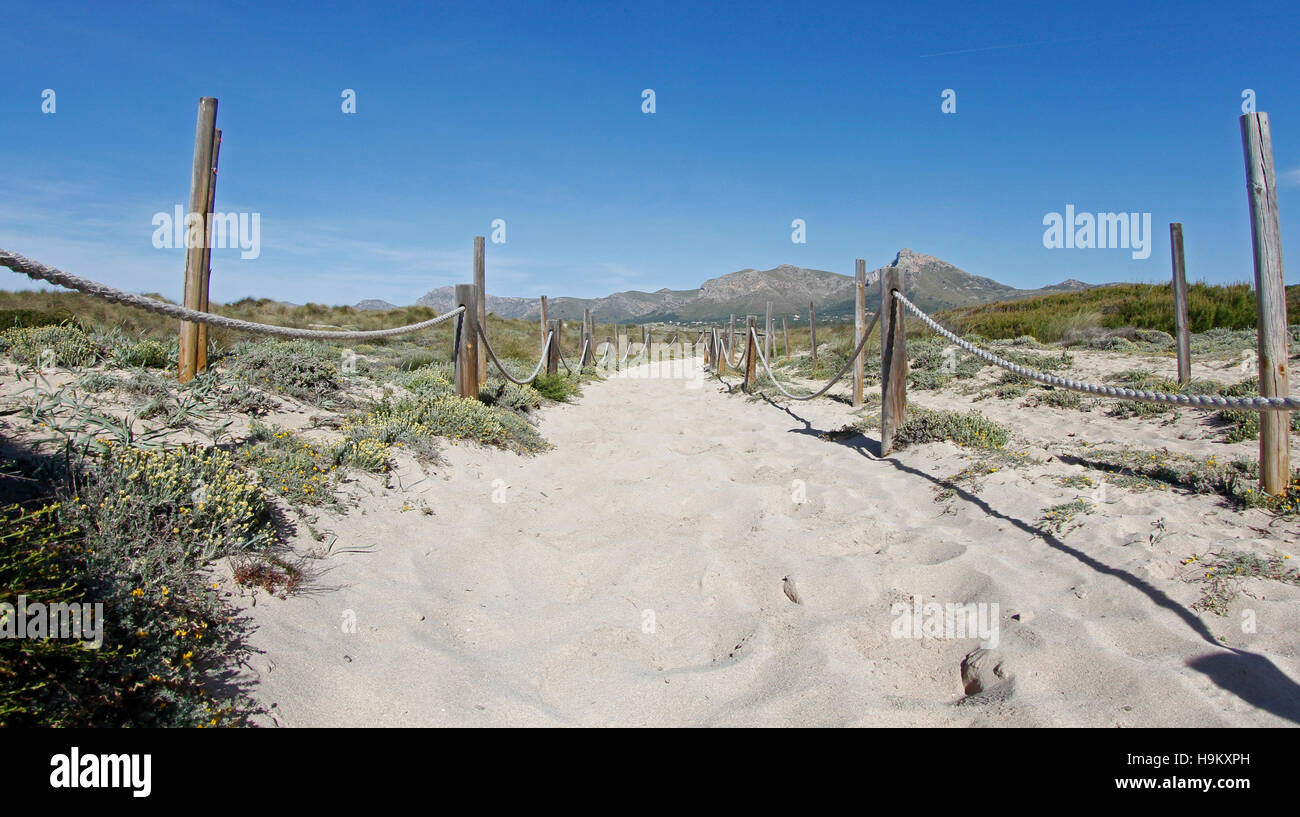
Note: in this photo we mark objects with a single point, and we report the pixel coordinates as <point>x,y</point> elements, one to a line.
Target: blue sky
<point>531,113</point>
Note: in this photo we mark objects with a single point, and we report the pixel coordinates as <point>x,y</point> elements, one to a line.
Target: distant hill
<point>372,303</point>
<point>931,283</point>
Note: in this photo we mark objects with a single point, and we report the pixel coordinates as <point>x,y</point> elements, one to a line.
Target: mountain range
<point>929,282</point>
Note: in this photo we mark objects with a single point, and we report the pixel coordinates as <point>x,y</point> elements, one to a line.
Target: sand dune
<point>642,573</point>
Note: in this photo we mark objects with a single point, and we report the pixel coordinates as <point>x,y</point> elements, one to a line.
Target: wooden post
<point>1182,336</point>
<point>812,332</point>
<point>1270,299</point>
<point>647,337</point>
<point>544,322</point>
<point>481,298</point>
<point>786,332</point>
<point>196,234</point>
<point>467,342</point>
<point>609,350</point>
<point>201,346</point>
<point>708,349</point>
<point>553,354</point>
<point>859,329</point>
<point>731,340</point>
<point>751,352</point>
<point>588,353</point>
<point>767,334</point>
<point>893,358</point>
<point>723,357</point>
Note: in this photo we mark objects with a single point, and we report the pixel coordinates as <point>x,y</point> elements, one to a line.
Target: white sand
<point>676,502</point>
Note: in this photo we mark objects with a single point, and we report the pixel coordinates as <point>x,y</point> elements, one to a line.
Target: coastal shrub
<point>71,346</point>
<point>303,472</point>
<point>133,530</point>
<point>558,387</point>
<point>414,423</point>
<point>963,428</point>
<point>1225,573</point>
<point>511,396</point>
<point>297,368</point>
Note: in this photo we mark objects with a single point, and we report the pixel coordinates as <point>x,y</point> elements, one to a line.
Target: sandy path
<point>672,504</point>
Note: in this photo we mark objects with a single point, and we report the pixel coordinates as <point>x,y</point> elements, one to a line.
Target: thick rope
<point>1212,401</point>
<point>843,369</point>
<point>34,269</point>
<point>493,355</point>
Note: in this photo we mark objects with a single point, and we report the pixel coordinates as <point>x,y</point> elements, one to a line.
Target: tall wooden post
<point>647,338</point>
<point>786,333</point>
<point>859,329</point>
<point>481,299</point>
<point>201,346</point>
<point>588,353</point>
<point>893,358</point>
<point>751,352</point>
<point>467,342</point>
<point>708,348</point>
<point>553,354</point>
<point>812,332</point>
<point>196,234</point>
<point>545,322</point>
<point>1270,295</point>
<point>1182,335</point>
<point>731,341</point>
<point>767,334</point>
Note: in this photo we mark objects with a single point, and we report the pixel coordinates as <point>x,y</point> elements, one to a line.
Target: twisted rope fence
<point>39,271</point>
<point>1209,401</point>
<point>492,355</point>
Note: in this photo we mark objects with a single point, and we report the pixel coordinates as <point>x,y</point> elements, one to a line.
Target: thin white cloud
<point>1290,178</point>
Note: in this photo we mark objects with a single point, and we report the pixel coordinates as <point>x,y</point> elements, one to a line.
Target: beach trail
<point>686,556</point>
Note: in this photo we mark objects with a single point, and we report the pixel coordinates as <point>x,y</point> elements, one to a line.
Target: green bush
<point>511,396</point>
<point>558,387</point>
<point>297,368</point>
<point>970,428</point>
<point>147,352</point>
<point>134,530</point>
<point>71,346</point>
<point>303,472</point>
<point>414,423</point>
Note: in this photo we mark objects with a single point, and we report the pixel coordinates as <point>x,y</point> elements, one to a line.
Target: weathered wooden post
<point>709,349</point>
<point>588,353</point>
<point>196,234</point>
<point>893,358</point>
<point>1270,295</point>
<point>812,332</point>
<point>731,341</point>
<point>467,342</point>
<point>751,352</point>
<point>481,299</point>
<point>201,346</point>
<point>1182,336</point>
<point>544,322</point>
<point>647,338</point>
<point>553,354</point>
<point>786,333</point>
<point>767,334</point>
<point>859,329</point>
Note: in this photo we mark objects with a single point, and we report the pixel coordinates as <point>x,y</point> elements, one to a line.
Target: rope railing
<point>1209,401</point>
<point>862,342</point>
<point>492,355</point>
<point>37,270</point>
